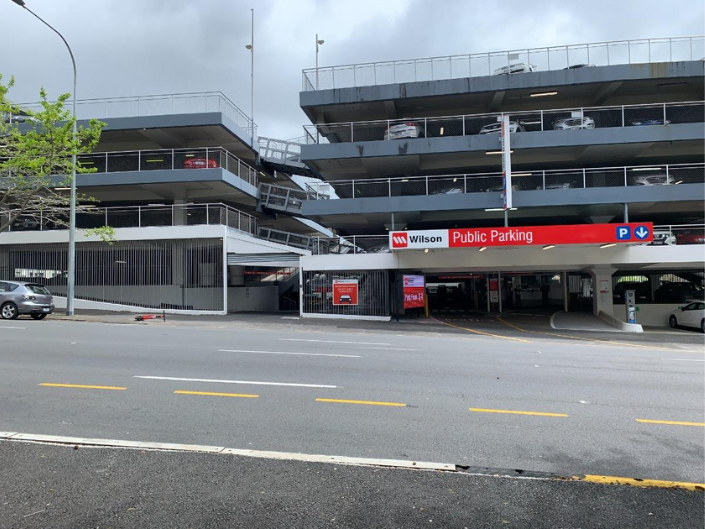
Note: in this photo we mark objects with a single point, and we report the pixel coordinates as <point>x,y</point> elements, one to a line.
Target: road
<point>486,393</point>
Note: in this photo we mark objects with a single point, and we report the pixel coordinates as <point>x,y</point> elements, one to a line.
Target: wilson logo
<point>400,241</point>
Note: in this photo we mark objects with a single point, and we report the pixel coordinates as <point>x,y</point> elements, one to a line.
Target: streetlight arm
<point>73,61</point>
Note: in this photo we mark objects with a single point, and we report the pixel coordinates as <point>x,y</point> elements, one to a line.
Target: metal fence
<point>157,274</point>
<point>373,293</point>
<point>282,198</point>
<point>524,121</point>
<point>670,174</point>
<point>472,65</point>
<point>356,244</point>
<point>146,216</point>
<point>161,159</point>
<point>159,105</point>
<point>285,237</point>
<point>679,234</point>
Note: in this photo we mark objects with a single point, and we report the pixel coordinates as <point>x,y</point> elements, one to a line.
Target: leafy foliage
<point>36,148</point>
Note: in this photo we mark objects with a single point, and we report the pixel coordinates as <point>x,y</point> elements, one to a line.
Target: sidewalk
<point>65,487</point>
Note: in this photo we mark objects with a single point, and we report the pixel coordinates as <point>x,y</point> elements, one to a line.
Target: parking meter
<point>630,303</point>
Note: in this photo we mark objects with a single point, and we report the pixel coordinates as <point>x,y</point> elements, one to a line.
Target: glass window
<point>38,289</point>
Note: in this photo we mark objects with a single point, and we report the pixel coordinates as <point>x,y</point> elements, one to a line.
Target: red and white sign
<point>345,291</point>
<point>414,292</point>
<point>630,233</point>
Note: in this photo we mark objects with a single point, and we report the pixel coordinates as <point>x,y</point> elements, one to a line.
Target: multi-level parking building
<point>203,221</point>
<point>606,133</point>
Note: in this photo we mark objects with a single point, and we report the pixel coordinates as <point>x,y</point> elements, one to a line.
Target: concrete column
<point>566,293</point>
<point>180,215</point>
<point>602,289</point>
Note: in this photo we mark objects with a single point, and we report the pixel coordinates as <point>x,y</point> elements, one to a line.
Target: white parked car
<point>663,238</point>
<point>410,129</point>
<point>692,315</point>
<point>514,126</point>
<point>519,67</point>
<point>574,123</point>
<point>654,180</point>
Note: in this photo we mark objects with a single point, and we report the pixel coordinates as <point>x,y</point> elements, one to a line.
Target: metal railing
<point>146,216</point>
<point>164,159</point>
<point>282,198</point>
<point>626,176</point>
<point>524,121</point>
<point>159,105</point>
<point>281,150</point>
<point>285,237</point>
<point>679,234</point>
<point>637,51</point>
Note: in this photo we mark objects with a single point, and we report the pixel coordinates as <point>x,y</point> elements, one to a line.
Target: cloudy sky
<point>143,47</point>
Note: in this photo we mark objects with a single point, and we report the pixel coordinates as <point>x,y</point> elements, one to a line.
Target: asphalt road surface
<point>62,487</point>
<point>507,394</point>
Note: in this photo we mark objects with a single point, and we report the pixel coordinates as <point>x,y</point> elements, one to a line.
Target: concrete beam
<point>605,92</point>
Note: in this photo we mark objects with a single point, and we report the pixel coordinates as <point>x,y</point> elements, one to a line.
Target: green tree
<point>36,147</point>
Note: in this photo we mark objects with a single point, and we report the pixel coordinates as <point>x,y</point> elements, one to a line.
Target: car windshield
<point>38,289</point>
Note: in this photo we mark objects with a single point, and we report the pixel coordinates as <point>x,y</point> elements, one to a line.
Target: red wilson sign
<point>641,232</point>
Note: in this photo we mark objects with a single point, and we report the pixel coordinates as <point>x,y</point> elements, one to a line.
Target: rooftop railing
<point>159,105</point>
<point>152,215</point>
<point>165,159</point>
<point>680,234</point>
<point>524,121</point>
<point>281,150</point>
<point>637,51</point>
<point>626,176</point>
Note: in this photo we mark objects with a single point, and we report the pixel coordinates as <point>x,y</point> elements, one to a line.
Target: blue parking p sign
<point>624,233</point>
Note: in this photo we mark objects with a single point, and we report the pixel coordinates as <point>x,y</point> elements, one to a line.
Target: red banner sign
<point>345,292</point>
<point>414,292</point>
<point>636,232</point>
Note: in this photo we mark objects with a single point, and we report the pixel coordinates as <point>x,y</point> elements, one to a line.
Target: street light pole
<point>318,43</point>
<point>251,47</point>
<point>71,280</point>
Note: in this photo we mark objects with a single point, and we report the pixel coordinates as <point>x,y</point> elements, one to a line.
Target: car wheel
<point>673,322</point>
<point>38,316</point>
<point>9,311</point>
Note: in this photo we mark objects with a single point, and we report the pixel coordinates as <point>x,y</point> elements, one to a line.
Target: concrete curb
<point>343,460</point>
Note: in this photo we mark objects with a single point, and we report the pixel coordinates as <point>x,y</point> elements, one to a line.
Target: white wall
<point>655,315</point>
<point>253,299</point>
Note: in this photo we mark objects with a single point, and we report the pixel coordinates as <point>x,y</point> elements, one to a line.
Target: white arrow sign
<point>641,233</point>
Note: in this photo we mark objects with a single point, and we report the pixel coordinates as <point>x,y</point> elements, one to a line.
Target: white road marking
<point>8,327</point>
<point>250,382</point>
<point>684,359</point>
<point>385,349</point>
<point>283,353</point>
<point>330,341</point>
<point>291,318</point>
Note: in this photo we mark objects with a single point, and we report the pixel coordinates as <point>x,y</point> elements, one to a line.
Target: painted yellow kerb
<point>49,384</point>
<point>370,402</point>
<point>539,413</point>
<point>486,333</point>
<point>615,480</point>
<point>677,423</point>
<point>211,394</point>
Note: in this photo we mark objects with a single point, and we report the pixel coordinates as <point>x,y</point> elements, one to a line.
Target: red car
<point>690,238</point>
<point>200,163</point>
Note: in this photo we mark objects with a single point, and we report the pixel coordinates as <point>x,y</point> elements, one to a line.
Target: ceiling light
<point>543,94</point>
<point>155,161</point>
<point>189,155</point>
<point>405,180</point>
<point>608,245</point>
<point>498,152</point>
<point>483,248</point>
<point>455,180</point>
<point>647,169</point>
<point>156,204</point>
<point>521,174</point>
<point>679,182</point>
<point>442,130</point>
<point>494,209</point>
<point>426,250</point>
<point>548,246</point>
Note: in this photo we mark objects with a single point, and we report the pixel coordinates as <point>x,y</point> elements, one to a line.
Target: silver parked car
<point>17,298</point>
<point>574,123</point>
<point>519,67</point>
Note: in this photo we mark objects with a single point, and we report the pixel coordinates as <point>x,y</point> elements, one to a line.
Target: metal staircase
<point>284,155</point>
<point>282,199</point>
<point>294,240</point>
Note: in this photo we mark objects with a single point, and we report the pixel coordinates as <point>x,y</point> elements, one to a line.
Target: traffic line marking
<point>211,394</point>
<point>81,386</point>
<point>486,333</point>
<point>330,341</point>
<point>625,344</point>
<point>684,359</point>
<point>344,460</point>
<point>370,402</point>
<point>676,423</point>
<point>634,482</point>
<point>515,412</point>
<point>285,353</point>
<point>8,327</point>
<point>250,382</point>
